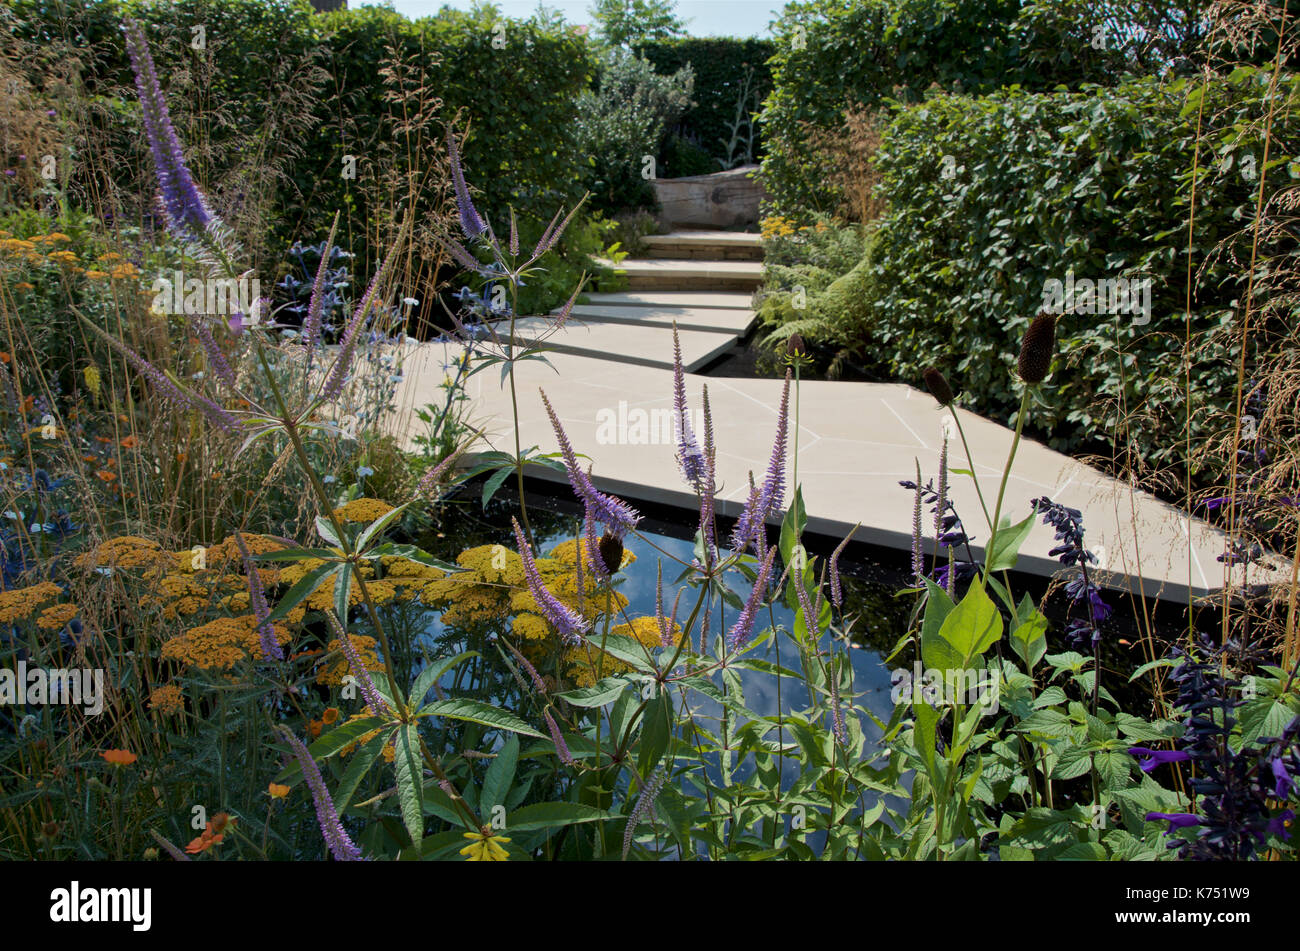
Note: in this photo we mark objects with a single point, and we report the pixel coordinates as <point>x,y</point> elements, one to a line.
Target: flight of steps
<point>702,280</point>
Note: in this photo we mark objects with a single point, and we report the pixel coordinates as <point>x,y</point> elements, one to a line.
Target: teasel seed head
<point>938,386</point>
<point>611,551</point>
<point>1037,348</point>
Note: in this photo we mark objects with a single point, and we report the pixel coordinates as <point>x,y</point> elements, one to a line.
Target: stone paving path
<point>613,392</point>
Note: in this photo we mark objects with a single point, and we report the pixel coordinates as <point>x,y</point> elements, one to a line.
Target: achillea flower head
<point>369,692</point>
<point>1037,349</point>
<point>470,221</point>
<point>257,602</point>
<point>689,457</point>
<point>567,622</point>
<point>644,806</point>
<point>336,837</point>
<point>938,386</point>
<point>186,209</point>
<point>617,516</point>
<point>753,520</point>
<point>744,625</point>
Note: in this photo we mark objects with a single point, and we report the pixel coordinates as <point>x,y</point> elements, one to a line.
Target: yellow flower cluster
<point>364,645</point>
<point>363,510</point>
<point>56,616</point>
<point>20,604</point>
<point>167,700</point>
<point>125,551</point>
<point>583,660</point>
<point>220,644</point>
<point>779,226</point>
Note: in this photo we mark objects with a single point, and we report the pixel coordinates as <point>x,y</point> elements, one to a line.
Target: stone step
<point>709,300</point>
<point>642,344</point>
<point>704,245</point>
<point>732,320</point>
<point>663,274</point>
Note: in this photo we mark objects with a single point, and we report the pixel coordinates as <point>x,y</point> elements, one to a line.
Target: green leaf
<point>1006,544</point>
<point>358,765</point>
<point>1029,640</point>
<point>432,672</point>
<point>302,589</point>
<point>973,626</point>
<point>343,735</point>
<point>656,732</point>
<point>494,482</point>
<point>597,695</point>
<point>410,779</point>
<point>478,712</point>
<point>325,529</point>
<point>378,525</point>
<point>500,775</point>
<point>550,815</point>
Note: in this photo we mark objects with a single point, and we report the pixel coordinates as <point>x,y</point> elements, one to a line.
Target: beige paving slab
<point>729,320</point>
<point>646,344</point>
<point>856,441</point>
<point>668,268</point>
<point>708,299</point>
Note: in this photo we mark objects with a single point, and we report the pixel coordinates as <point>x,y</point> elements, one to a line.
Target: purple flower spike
<point>566,622</point>
<point>707,528</point>
<point>257,601</point>
<point>561,748</point>
<point>740,631</point>
<point>617,516</point>
<point>369,692</point>
<point>187,210</point>
<point>689,456</point>
<point>331,827</point>
<point>1176,820</point>
<point>469,217</point>
<point>347,341</point>
<point>768,499</point>
<point>1150,759</point>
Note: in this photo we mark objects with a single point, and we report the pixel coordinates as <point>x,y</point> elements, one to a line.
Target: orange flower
<point>119,757</point>
<point>4,357</point>
<point>28,403</point>
<point>182,456</point>
<point>314,727</point>
<point>105,475</point>
<point>130,442</point>
<point>212,835</point>
<point>277,791</point>
<point>330,715</point>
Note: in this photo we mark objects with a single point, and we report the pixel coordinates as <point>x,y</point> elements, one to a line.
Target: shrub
<point>990,198</point>
<point>732,79</point>
<point>622,122</point>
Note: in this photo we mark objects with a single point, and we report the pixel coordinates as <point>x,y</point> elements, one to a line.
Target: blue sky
<point>703,17</point>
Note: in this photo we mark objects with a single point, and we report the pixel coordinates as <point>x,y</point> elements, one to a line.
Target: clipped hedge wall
<point>1096,182</point>
<point>721,65</point>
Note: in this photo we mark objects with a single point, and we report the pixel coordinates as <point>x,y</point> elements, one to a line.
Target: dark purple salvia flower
<point>689,457</point>
<point>617,516</point>
<point>644,806</point>
<point>470,221</point>
<point>336,837</point>
<point>216,359</point>
<point>187,210</point>
<point>1067,523</point>
<point>567,623</point>
<point>561,748</point>
<point>369,692</point>
<point>744,625</point>
<point>1148,760</point>
<point>753,520</point>
<point>257,602</point>
<point>1176,820</point>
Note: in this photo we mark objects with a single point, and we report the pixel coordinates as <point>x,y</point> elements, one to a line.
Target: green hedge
<point>517,98</point>
<point>1097,182</point>
<point>721,66</point>
<point>832,54</point>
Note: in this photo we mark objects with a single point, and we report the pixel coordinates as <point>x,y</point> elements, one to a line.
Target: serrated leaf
<point>477,712</point>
